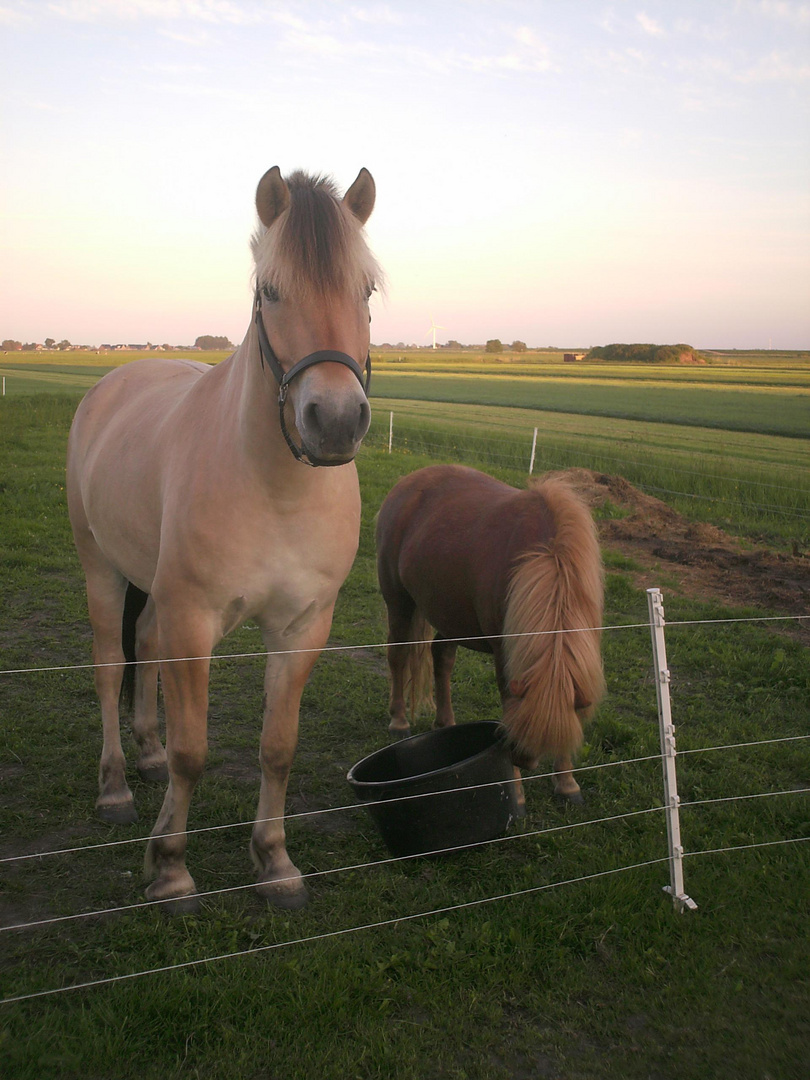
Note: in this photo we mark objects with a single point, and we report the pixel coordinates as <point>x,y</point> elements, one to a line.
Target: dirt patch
<point>706,562</point>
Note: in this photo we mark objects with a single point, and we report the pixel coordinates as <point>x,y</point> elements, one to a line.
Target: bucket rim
<point>359,785</point>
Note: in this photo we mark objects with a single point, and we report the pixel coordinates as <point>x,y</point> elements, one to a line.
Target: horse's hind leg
<point>444,658</point>
<point>151,762</point>
<point>106,589</point>
<point>400,617</point>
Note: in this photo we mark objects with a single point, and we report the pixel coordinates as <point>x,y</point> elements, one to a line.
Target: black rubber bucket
<point>441,761</point>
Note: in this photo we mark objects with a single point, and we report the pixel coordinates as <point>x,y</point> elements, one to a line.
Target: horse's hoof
<point>399,732</point>
<point>154,774</point>
<point>181,905</point>
<point>576,798</point>
<point>283,898</point>
<point>118,813</point>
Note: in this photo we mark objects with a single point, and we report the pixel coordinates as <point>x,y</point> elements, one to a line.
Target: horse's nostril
<point>363,421</point>
<point>311,418</point>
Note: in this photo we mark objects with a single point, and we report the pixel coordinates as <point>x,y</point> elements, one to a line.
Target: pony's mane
<point>316,247</point>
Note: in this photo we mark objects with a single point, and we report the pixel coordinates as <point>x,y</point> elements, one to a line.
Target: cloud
<point>648,25</point>
<point>378,14</point>
<point>9,17</point>
<point>795,14</point>
<point>207,11</point>
<point>775,67</point>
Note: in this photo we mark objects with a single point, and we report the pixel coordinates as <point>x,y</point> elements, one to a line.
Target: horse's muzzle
<point>332,430</point>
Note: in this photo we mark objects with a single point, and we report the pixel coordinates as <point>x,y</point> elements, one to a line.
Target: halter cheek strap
<point>284,378</point>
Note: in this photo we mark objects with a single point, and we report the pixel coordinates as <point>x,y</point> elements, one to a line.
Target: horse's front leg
<point>565,786</point>
<point>185,695</point>
<point>279,881</point>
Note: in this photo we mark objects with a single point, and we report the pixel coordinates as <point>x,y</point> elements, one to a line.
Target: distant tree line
<point>496,345</point>
<point>646,354</point>
<point>10,345</point>
<point>208,341</point>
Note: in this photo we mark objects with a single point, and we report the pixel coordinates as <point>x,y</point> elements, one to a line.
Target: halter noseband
<point>284,378</point>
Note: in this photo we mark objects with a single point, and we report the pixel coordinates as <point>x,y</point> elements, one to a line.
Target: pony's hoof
<point>117,813</point>
<point>154,774</point>
<point>280,897</point>
<point>576,798</point>
<point>181,905</point>
<point>399,732</point>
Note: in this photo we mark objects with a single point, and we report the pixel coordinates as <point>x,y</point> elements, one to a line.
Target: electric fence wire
<point>397,920</point>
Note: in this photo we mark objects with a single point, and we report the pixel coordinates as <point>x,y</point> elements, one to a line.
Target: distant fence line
<point>522,452</point>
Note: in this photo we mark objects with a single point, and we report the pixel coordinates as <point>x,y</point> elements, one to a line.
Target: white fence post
<point>534,447</point>
<point>390,431</point>
<point>667,735</point>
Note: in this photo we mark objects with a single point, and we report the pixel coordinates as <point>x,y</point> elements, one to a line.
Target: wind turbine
<point>433,328</point>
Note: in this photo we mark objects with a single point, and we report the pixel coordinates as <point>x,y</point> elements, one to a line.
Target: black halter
<point>284,378</point>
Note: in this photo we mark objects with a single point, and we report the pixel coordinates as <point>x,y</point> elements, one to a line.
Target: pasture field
<point>582,970</point>
<point>754,485</point>
<point>777,410</point>
<point>727,444</point>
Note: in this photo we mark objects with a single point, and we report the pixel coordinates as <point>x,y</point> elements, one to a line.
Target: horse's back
<point>449,536</point>
<point>452,513</point>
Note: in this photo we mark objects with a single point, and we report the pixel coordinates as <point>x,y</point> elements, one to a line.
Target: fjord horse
<point>192,498</point>
<point>514,573</point>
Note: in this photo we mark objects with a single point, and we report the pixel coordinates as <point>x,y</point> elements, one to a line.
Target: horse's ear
<point>361,195</point>
<point>272,196</point>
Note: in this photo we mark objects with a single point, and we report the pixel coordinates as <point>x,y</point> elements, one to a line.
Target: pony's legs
<point>400,616</point>
<point>106,589</point>
<point>185,695</point>
<point>444,658</point>
<point>565,786</point>
<point>279,881</point>
<point>151,755</point>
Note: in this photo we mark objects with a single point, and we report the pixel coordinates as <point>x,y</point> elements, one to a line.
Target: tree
<point>11,346</point>
<point>63,344</point>
<point>49,343</point>
<point>208,341</point>
<point>518,346</point>
<point>494,345</point>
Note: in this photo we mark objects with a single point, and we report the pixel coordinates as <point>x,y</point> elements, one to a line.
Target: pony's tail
<point>555,599</point>
<point>134,603</point>
<point>418,674</point>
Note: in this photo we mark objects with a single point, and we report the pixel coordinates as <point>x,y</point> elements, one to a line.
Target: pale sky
<point>563,172</point>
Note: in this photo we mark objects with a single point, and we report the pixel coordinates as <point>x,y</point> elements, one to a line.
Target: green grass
<point>757,486</point>
<point>597,979</point>
<point>769,410</point>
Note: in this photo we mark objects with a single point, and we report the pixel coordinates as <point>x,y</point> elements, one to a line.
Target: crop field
<point>554,953</point>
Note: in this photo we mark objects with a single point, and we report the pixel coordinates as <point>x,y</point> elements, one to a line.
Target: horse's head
<point>314,278</point>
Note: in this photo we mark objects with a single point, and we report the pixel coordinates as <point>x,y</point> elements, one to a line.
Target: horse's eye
<point>270,294</point>
<point>370,288</point>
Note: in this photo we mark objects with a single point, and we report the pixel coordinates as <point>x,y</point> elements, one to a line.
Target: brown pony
<point>194,508</point>
<point>515,573</point>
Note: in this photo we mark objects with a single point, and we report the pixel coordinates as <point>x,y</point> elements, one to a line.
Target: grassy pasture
<point>763,409</point>
<point>724,443</point>
<point>754,485</point>
<point>594,979</point>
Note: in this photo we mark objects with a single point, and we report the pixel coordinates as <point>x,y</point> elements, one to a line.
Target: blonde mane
<point>316,248</point>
